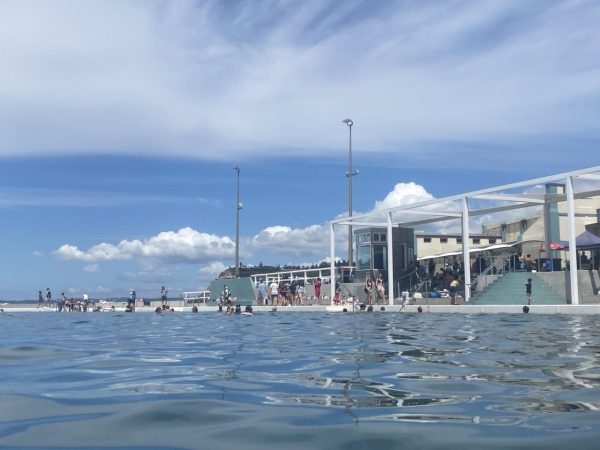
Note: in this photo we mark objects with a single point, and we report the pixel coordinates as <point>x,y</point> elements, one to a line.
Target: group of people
<point>286,293</point>
<point>378,290</point>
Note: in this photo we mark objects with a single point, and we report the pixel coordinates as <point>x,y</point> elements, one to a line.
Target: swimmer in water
<point>195,309</point>
<point>158,310</point>
<point>248,311</point>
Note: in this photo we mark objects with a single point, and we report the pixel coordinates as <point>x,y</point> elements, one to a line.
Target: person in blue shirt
<point>262,292</point>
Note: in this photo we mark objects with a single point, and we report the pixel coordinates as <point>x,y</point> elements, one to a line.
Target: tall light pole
<point>238,206</point>
<point>350,174</point>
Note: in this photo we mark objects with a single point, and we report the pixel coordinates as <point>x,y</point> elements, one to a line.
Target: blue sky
<point>121,122</point>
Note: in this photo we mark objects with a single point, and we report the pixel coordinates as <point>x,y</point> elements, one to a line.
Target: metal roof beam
<point>511,198</point>
<point>560,176</point>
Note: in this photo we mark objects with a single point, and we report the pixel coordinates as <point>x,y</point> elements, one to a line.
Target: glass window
<point>363,261</point>
<point>492,241</point>
<point>383,237</point>
<point>375,237</point>
<point>380,257</point>
<point>361,238</point>
<point>476,241</point>
<point>459,240</point>
<point>427,240</point>
<point>444,240</point>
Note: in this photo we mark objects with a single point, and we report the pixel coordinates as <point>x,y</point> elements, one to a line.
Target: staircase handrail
<point>489,268</point>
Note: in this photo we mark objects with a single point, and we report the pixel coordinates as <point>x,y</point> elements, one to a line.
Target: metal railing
<point>489,271</point>
<point>307,275</point>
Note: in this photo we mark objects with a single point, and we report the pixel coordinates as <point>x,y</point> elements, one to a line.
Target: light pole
<point>350,174</point>
<point>238,206</point>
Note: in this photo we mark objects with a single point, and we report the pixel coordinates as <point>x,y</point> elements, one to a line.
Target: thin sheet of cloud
<point>13,197</point>
<point>222,80</point>
<point>36,253</point>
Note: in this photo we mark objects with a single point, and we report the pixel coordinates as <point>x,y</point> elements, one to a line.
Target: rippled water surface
<point>299,381</point>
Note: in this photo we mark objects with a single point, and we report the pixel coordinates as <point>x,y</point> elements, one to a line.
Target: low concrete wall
<point>560,282</point>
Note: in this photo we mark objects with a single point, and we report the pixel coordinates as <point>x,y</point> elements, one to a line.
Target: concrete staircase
<point>510,290</point>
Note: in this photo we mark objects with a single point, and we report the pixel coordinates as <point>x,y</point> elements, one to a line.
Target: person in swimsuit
<point>369,291</point>
<point>380,288</point>
<point>454,290</point>
<point>528,291</point>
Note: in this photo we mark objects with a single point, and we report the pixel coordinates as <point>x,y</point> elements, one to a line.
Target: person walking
<point>317,284</point>
<point>528,291</point>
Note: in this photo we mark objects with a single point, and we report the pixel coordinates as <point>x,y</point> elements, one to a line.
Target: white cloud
<point>91,268</point>
<point>211,202</point>
<point>100,289</point>
<point>212,270</point>
<point>36,253</point>
<point>295,242</point>
<point>185,246</point>
<point>404,194</point>
<point>212,79</point>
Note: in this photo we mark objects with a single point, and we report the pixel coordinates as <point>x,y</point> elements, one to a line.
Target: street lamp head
<point>348,122</point>
<point>237,169</point>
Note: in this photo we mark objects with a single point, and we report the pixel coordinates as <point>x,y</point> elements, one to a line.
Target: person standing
<point>163,296</point>
<point>381,289</point>
<point>369,291</point>
<point>274,291</point>
<point>48,297</point>
<point>454,290</point>
<point>317,284</point>
<point>262,292</point>
<point>301,293</point>
<point>528,263</point>
<point>431,267</point>
<point>283,291</point>
<point>40,299</point>
<point>293,292</point>
<point>528,291</point>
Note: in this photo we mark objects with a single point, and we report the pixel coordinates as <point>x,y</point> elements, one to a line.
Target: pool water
<point>299,381</point>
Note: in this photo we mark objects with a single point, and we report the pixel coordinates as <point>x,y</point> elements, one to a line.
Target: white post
<point>547,231</point>
<point>332,254</point>
<point>465,248</point>
<point>572,241</point>
<point>390,257</point>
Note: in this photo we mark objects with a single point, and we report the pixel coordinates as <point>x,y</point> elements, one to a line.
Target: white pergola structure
<point>457,207</point>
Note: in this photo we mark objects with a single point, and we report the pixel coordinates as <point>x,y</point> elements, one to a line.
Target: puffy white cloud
<point>91,268</point>
<point>404,194</point>
<point>186,246</point>
<point>212,270</point>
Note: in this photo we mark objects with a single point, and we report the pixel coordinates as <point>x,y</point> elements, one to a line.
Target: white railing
<point>198,296</point>
<point>307,275</point>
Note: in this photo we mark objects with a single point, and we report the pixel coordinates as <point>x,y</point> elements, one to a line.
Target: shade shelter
<point>585,241</point>
<point>472,204</point>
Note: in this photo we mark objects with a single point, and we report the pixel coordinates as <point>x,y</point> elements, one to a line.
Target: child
<point>528,291</point>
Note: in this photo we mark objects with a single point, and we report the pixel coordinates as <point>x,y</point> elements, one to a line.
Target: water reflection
<point>477,370</point>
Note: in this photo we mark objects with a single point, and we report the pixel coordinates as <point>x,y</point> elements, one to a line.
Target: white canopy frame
<point>514,201</point>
